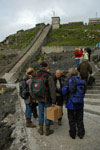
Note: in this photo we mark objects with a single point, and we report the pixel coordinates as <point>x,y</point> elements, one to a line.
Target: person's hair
<point>77,49</point>
<point>72,72</point>
<point>29,71</point>
<point>59,71</point>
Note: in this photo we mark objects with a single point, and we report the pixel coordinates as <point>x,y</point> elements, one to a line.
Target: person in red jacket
<point>78,54</point>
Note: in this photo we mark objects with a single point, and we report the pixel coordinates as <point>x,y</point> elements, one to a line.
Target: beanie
<point>43,64</point>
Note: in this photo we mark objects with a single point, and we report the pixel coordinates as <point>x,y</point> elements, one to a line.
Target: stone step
<point>97,81</point>
<point>96,96</point>
<point>97,75</point>
<point>92,116</point>
<point>93,87</point>
<point>96,84</point>
<point>97,78</point>
<point>92,101</point>
<point>93,91</point>
<point>92,109</point>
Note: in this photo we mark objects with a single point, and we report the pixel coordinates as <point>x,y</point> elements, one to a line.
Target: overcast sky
<point>24,14</point>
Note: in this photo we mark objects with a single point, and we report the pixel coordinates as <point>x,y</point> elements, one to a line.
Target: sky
<point>25,14</point>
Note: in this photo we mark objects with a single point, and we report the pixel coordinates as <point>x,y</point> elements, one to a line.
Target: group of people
<point>82,54</point>
<point>55,94</point>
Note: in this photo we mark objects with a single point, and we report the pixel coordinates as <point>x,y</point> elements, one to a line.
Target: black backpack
<point>24,89</point>
<point>91,80</point>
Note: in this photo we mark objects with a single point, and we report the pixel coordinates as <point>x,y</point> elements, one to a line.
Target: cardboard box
<point>59,111</point>
<point>54,113</point>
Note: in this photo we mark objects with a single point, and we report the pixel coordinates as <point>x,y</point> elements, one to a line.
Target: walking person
<point>84,69</point>
<point>43,90</point>
<point>25,94</point>
<point>59,83</point>
<point>85,55</point>
<point>89,52</point>
<point>78,54</point>
<point>30,73</point>
<point>74,91</point>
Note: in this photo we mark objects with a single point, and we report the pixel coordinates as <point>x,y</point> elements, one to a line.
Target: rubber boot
<point>40,130</point>
<point>29,123</point>
<point>48,131</point>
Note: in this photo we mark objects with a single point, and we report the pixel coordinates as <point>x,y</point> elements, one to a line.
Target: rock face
<point>55,61</point>
<point>7,109</point>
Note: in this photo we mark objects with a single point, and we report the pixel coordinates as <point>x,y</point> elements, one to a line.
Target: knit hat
<point>43,64</point>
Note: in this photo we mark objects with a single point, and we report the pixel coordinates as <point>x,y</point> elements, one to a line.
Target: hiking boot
<point>81,136</point>
<point>29,123</point>
<point>72,135</point>
<point>40,130</point>
<point>59,122</point>
<point>48,131</point>
<point>51,123</point>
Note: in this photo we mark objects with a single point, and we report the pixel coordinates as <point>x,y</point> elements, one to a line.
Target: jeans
<point>42,111</point>
<point>31,109</point>
<point>77,61</point>
<point>28,111</point>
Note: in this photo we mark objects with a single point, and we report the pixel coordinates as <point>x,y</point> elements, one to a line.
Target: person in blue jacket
<point>74,110</point>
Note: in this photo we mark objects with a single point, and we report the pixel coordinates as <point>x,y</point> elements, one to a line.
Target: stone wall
<point>55,23</point>
<point>58,49</point>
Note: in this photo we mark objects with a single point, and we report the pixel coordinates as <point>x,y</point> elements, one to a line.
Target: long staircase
<point>92,97</point>
<point>13,74</point>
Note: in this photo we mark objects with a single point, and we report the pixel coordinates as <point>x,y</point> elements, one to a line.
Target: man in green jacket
<point>85,69</point>
<point>45,100</point>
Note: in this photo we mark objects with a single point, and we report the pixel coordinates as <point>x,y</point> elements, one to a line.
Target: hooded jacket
<point>85,69</point>
<point>67,90</point>
<point>51,92</point>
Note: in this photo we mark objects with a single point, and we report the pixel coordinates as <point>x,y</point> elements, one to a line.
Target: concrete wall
<point>58,49</point>
<point>55,22</point>
<point>93,21</point>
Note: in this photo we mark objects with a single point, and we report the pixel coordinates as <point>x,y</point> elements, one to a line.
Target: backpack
<point>91,80</point>
<point>24,89</point>
<point>38,86</point>
<point>77,90</point>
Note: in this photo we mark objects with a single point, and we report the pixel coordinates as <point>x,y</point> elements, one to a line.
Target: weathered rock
<point>7,109</point>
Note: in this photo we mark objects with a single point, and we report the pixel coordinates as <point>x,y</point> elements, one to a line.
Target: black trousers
<point>76,121</point>
<point>34,109</point>
<point>59,102</point>
<point>89,56</point>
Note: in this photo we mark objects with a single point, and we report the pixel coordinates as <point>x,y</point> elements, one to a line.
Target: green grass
<point>23,40</point>
<point>78,35</point>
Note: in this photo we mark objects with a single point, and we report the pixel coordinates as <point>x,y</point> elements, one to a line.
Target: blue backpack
<point>76,90</point>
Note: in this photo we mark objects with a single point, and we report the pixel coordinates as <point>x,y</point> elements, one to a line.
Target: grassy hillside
<point>22,40</point>
<point>75,35</point>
